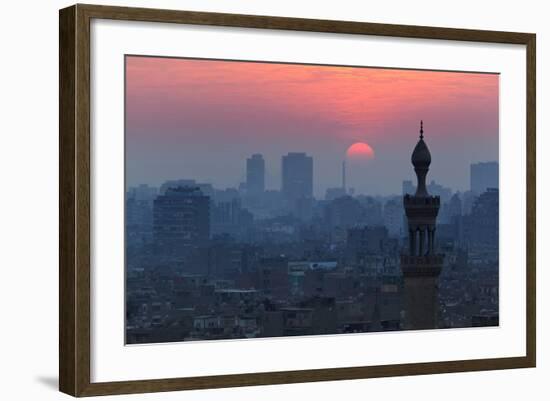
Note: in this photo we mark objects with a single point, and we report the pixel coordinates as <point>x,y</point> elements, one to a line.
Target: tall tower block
<point>421,265</point>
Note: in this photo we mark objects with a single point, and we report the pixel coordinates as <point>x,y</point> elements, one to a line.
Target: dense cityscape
<point>209,263</point>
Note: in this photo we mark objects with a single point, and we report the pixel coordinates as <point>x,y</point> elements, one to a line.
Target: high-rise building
<point>297,176</point>
<point>483,176</point>
<point>421,266</point>
<point>181,218</point>
<point>255,174</point>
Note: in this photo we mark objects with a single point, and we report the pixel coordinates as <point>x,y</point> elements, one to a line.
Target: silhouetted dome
<point>421,154</point>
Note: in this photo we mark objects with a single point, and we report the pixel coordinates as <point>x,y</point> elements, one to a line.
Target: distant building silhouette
<point>181,218</point>
<point>343,212</point>
<point>433,188</point>
<point>334,193</point>
<point>468,199</point>
<point>436,189</point>
<point>255,175</point>
<point>482,224</point>
<point>483,176</point>
<point>297,176</point>
<point>372,210</point>
<point>230,218</point>
<point>422,265</point>
<point>297,185</point>
<point>142,192</point>
<point>455,206</point>
<point>206,189</point>
<point>139,221</point>
<point>452,210</point>
<point>139,214</point>
<point>408,187</point>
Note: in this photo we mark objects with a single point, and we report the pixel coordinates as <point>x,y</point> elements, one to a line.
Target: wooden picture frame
<point>74,199</point>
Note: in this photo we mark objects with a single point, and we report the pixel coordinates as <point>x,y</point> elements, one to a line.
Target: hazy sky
<point>201,119</point>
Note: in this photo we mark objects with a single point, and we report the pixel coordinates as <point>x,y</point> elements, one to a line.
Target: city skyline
<point>256,223</point>
<point>471,170</point>
<point>205,264</point>
<point>170,128</point>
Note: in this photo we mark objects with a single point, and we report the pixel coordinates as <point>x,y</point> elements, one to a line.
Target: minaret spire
<point>421,160</point>
<point>422,265</point>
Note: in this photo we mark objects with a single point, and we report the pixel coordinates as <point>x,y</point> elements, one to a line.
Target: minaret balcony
<point>411,200</point>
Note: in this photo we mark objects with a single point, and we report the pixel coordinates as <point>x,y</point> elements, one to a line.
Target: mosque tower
<point>421,266</point>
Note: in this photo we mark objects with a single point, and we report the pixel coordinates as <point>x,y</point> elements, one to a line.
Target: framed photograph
<point>250,200</point>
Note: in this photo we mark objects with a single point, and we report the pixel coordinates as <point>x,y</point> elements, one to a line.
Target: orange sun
<point>360,151</point>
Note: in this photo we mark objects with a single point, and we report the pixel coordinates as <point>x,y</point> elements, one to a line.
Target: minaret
<point>421,265</point>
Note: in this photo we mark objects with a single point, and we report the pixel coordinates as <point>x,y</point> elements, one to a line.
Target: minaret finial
<point>421,130</point>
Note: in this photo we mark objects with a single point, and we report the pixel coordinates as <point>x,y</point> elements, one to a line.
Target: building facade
<point>181,218</point>
<point>255,175</point>
<point>297,176</point>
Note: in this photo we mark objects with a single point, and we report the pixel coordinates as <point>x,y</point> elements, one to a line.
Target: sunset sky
<point>201,119</point>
